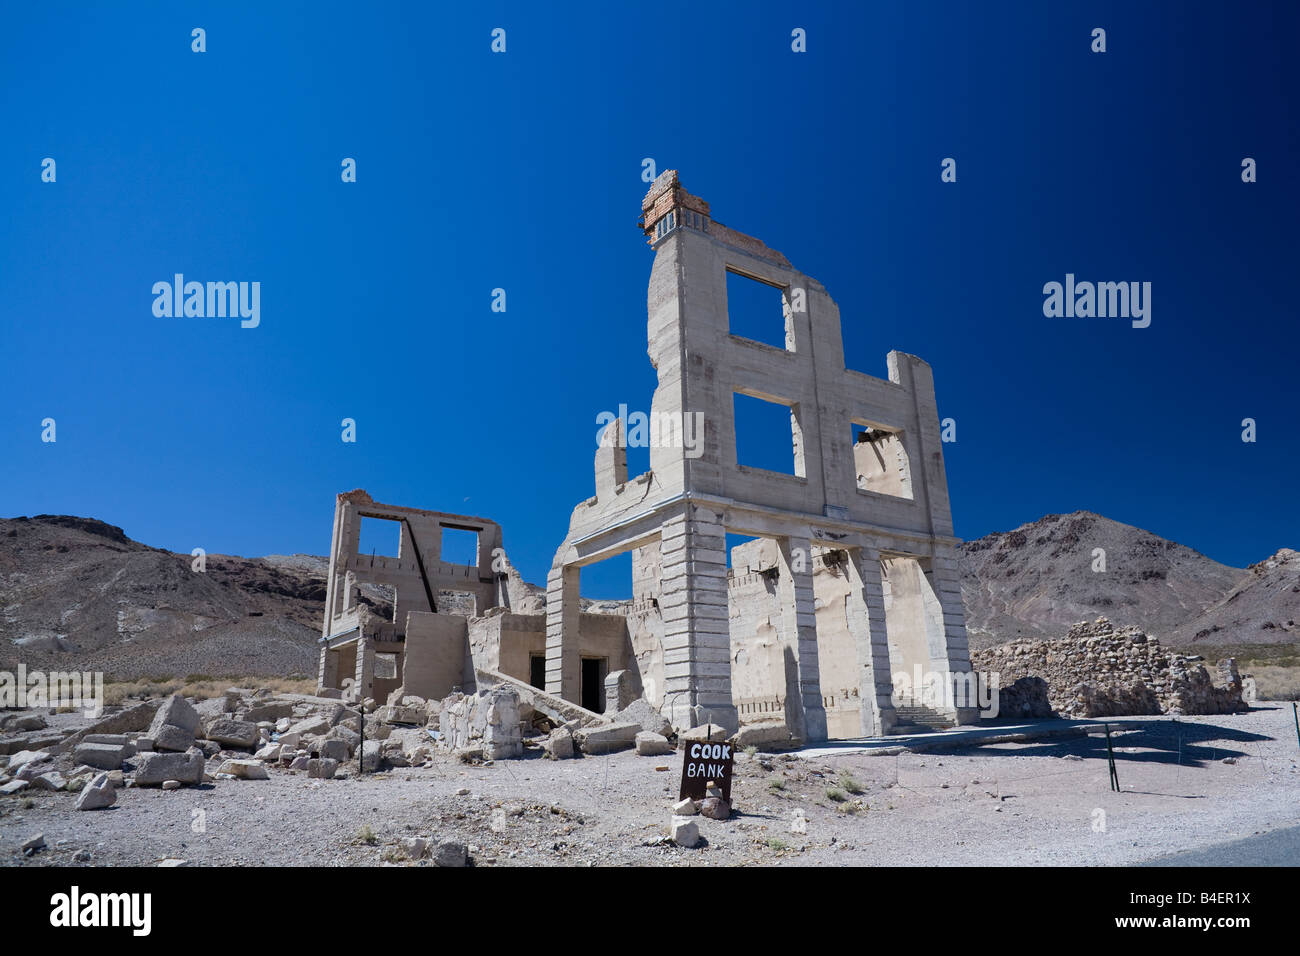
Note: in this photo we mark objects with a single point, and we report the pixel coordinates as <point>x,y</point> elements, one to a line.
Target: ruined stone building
<point>850,577</point>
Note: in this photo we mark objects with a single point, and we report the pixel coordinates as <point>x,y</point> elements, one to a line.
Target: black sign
<point>704,761</point>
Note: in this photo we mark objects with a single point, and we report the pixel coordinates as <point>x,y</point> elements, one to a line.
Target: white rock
<point>97,794</point>
<point>652,745</point>
<point>685,832</point>
<point>245,769</point>
<point>50,781</point>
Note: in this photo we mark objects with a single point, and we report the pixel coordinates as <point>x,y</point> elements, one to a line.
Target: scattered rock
<point>451,853</point>
<point>232,733</point>
<point>23,757</point>
<point>50,781</point>
<point>269,752</point>
<point>175,711</point>
<point>715,808</point>
<point>156,768</point>
<point>640,711</point>
<point>652,744</point>
<point>685,832</point>
<point>323,768</point>
<point>245,769</point>
<point>34,845</point>
<point>334,749</point>
<point>176,739</point>
<point>559,744</point>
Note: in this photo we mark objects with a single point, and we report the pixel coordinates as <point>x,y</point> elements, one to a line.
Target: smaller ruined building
<point>848,580</point>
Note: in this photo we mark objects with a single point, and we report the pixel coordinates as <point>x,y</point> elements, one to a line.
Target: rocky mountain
<point>79,592</point>
<point>1262,608</point>
<point>1036,581</point>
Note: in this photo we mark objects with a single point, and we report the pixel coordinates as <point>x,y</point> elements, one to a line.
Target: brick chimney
<point>668,206</point>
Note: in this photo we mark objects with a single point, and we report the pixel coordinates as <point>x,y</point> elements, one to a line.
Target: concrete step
<point>917,718</point>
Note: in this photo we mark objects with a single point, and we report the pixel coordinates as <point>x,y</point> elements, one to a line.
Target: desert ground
<point>1188,783</point>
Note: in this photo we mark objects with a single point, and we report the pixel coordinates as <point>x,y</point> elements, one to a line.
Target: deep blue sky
<point>523,171</point>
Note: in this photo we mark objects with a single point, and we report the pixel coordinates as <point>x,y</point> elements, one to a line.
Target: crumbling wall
<point>758,668</point>
<point>645,622</point>
<point>437,655</point>
<point>837,653</point>
<point>487,720</point>
<point>1098,670</point>
<point>505,642</point>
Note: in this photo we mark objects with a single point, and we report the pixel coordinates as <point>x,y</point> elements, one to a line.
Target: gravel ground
<point>1008,804</point>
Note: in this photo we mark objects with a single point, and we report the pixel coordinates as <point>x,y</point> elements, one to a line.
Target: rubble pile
<point>245,735</point>
<point>1098,670</point>
<point>240,735</point>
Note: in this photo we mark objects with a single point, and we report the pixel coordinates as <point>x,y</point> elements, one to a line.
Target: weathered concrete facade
<point>852,580</point>
<point>880,512</point>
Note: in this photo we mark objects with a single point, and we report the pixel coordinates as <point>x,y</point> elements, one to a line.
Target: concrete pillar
<point>799,634</point>
<point>865,612</point>
<point>365,671</point>
<point>697,635</point>
<point>328,675</point>
<point>562,616</point>
<point>943,577</point>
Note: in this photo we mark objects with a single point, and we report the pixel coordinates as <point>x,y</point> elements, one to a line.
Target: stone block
<point>559,744</point>
<point>97,794</point>
<point>273,711</point>
<point>99,756</point>
<point>232,733</point>
<point>685,832</point>
<point>652,745</point>
<point>333,749</point>
<point>323,768</point>
<point>245,769</point>
<point>173,738</point>
<point>175,711</point>
<point>606,738</point>
<point>154,768</point>
<point>451,853</point>
<point>641,712</point>
<point>53,780</point>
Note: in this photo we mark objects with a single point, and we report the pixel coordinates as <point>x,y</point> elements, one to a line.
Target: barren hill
<point>1037,580</point>
<point>1262,608</point>
<point>76,592</point>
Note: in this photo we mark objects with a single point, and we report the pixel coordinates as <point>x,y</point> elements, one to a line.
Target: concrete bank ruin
<point>850,576</point>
